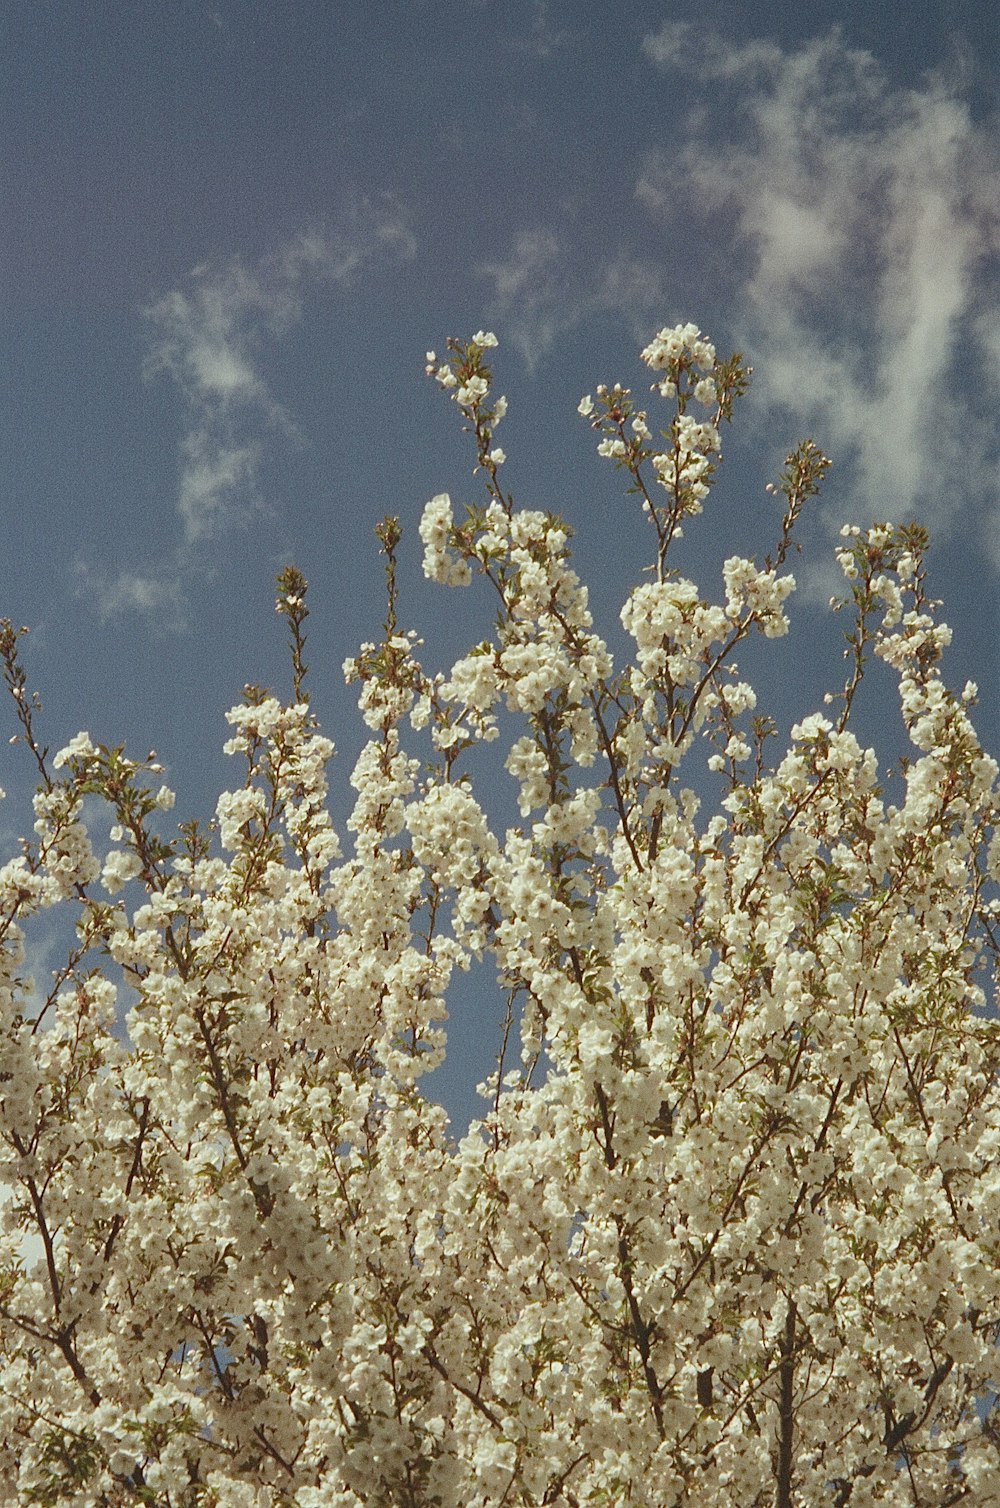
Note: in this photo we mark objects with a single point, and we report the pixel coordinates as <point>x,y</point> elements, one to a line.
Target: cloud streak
<point>863,223</point>
<point>543,289</point>
<point>542,37</point>
<point>123,593</point>
<point>211,338</point>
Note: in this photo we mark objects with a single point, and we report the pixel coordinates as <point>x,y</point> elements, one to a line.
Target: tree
<point>727,1231</point>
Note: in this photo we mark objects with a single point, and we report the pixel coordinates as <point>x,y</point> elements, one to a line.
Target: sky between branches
<point>231,230</point>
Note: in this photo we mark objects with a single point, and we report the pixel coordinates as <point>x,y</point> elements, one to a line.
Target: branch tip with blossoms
<point>466,377</point>
<point>16,683</point>
<point>291,604</point>
<point>682,466</point>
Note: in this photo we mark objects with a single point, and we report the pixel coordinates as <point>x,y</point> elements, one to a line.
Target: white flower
<point>471,392</point>
<point>79,747</point>
<point>120,866</point>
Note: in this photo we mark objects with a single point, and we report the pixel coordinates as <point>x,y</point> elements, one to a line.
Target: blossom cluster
<point>725,1234</point>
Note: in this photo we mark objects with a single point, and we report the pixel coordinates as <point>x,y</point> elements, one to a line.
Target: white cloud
<point>206,335</point>
<point>532,262</point>
<point>214,477</point>
<point>863,223</point>
<point>542,38</point>
<point>208,339</point>
<point>527,285</point>
<point>543,292</point>
<point>211,338</point>
<point>158,597</point>
<point>368,231</point>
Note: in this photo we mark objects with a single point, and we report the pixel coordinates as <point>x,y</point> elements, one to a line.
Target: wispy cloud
<point>542,37</point>
<point>204,335</point>
<point>211,338</point>
<point>543,289</point>
<point>214,475</point>
<point>526,282</point>
<point>118,594</point>
<point>862,222</point>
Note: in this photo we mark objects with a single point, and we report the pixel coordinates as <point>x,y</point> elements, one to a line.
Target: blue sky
<point>231,230</point>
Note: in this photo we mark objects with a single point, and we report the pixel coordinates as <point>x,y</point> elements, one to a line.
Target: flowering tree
<point>727,1231</point>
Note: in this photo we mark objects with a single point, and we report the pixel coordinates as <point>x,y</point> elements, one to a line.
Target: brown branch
<point>786,1412</point>
<point>643,1335</point>
<point>431,1356</point>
